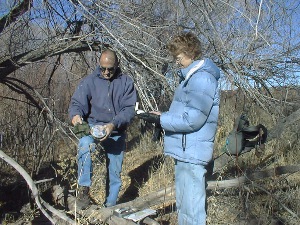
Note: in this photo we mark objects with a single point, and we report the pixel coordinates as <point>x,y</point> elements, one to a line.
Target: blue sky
<point>5,5</point>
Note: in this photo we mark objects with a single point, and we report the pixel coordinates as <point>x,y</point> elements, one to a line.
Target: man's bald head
<point>109,55</point>
<point>108,63</point>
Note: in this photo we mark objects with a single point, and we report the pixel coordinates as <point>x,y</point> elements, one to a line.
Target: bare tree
<point>42,44</point>
<point>253,42</point>
<point>47,46</point>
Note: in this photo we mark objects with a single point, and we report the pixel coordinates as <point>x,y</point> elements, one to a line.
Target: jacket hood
<point>207,65</point>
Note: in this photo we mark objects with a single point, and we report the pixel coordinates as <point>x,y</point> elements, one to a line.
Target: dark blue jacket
<point>102,101</point>
<point>191,123</point>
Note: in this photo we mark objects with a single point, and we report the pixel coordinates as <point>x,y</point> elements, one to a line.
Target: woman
<point>190,126</point>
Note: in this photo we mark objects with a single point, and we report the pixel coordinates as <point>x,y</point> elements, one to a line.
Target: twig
<point>256,25</point>
<point>42,181</point>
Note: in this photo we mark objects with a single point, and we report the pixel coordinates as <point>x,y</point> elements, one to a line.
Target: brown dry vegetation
<point>265,201</point>
<point>272,200</point>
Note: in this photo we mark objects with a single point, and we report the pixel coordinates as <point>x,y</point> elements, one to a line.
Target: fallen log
<point>163,196</point>
<point>97,214</point>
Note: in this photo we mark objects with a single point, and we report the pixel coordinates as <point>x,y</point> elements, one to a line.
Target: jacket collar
<point>192,68</point>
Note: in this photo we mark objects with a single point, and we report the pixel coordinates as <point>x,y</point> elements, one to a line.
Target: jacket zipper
<point>109,96</point>
<point>183,141</point>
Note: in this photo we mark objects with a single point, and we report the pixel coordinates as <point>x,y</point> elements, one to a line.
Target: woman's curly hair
<point>186,43</point>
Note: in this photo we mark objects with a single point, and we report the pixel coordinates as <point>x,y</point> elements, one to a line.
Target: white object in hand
<point>140,111</point>
<point>98,131</point>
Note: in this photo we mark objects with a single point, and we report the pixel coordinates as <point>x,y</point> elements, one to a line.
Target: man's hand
<point>108,129</point>
<point>76,119</point>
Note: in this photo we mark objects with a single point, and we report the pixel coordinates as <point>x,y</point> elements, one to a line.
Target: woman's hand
<point>150,117</point>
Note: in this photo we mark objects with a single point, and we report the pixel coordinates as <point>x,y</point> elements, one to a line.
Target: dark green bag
<point>243,138</point>
<point>81,130</point>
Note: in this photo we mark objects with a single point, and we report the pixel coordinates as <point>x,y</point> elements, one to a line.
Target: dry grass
<point>269,201</point>
<point>263,201</point>
<point>145,170</point>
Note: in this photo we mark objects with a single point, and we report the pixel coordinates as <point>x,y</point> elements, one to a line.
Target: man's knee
<point>85,144</point>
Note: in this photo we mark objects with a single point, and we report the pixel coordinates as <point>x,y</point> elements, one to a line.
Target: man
<point>105,97</point>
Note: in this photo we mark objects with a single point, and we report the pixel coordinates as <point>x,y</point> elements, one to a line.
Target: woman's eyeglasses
<point>178,59</point>
<point>110,69</point>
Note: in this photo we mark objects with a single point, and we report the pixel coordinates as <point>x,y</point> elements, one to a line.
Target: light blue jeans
<point>114,148</point>
<point>190,193</point>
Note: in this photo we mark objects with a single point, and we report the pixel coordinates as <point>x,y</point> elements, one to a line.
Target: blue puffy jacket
<point>190,124</point>
<point>101,101</point>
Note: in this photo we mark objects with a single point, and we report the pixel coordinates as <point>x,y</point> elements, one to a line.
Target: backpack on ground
<point>243,138</point>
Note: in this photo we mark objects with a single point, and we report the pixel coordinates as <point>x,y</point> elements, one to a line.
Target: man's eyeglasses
<point>110,69</point>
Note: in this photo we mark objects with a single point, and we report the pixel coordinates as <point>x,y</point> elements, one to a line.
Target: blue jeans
<point>114,148</point>
<point>190,193</point>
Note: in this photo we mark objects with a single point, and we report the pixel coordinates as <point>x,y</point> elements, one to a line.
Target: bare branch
<point>13,15</point>
<point>9,65</point>
<point>34,189</point>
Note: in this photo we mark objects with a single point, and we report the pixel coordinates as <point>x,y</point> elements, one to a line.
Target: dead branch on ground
<point>35,193</point>
<point>166,195</point>
<point>161,197</point>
